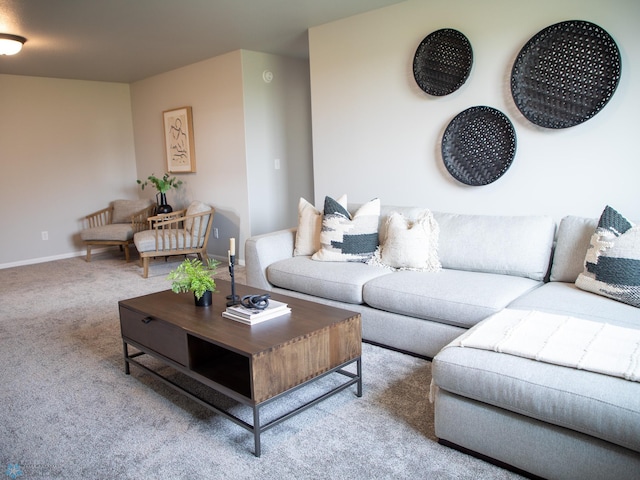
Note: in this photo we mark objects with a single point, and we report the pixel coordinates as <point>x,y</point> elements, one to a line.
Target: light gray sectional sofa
<point>547,420</point>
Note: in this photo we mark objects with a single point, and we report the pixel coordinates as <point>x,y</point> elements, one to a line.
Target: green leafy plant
<point>163,185</point>
<point>194,276</point>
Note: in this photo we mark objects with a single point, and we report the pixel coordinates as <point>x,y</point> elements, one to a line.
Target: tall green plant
<point>194,276</point>
<point>163,185</point>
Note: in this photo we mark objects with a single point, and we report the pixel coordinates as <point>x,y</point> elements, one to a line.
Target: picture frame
<point>178,139</point>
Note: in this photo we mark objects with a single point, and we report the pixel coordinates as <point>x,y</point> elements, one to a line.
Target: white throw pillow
<point>348,239</point>
<point>309,227</point>
<point>409,245</point>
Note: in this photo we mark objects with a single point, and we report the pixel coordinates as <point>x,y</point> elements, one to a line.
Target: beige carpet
<point>69,411</point>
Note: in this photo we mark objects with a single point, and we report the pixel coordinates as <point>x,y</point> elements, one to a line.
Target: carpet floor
<point>69,411</point>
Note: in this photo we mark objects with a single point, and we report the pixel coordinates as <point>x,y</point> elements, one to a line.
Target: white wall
<point>66,150</point>
<point>213,88</point>
<point>377,134</point>
<point>277,127</point>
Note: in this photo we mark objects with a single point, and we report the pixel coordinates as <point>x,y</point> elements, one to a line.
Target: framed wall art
<point>178,139</point>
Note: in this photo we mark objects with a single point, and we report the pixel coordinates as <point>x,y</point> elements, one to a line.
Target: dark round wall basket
<point>478,145</point>
<point>442,62</point>
<point>565,74</point>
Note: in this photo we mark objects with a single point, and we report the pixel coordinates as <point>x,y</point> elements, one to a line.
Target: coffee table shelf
<point>251,364</point>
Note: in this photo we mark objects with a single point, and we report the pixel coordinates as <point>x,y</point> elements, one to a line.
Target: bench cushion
<point>453,297</point>
<point>566,299</point>
<point>341,281</point>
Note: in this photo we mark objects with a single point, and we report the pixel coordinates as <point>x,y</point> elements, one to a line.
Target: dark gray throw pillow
<point>612,263</point>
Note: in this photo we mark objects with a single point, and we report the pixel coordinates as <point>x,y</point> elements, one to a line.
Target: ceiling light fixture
<point>10,44</point>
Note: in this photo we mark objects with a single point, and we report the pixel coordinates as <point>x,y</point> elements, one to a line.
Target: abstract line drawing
<point>178,137</point>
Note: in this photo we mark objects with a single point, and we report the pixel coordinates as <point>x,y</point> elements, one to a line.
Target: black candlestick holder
<point>233,299</point>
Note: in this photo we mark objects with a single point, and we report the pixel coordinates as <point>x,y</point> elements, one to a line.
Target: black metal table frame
<point>257,428</point>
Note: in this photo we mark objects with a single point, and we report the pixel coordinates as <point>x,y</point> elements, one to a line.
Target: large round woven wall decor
<point>442,62</point>
<point>478,145</point>
<point>565,74</point>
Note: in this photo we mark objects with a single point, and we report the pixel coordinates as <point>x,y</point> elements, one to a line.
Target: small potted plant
<point>163,185</point>
<point>192,275</point>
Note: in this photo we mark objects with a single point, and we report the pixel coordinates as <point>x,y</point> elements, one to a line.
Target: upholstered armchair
<point>116,224</point>
<point>182,232</point>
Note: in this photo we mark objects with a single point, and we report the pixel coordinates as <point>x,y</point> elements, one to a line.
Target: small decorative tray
<point>565,74</point>
<point>478,145</point>
<point>442,62</point>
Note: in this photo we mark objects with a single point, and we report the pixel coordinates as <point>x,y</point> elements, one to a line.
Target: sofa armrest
<point>260,251</point>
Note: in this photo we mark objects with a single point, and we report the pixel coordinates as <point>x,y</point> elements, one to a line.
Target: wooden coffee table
<point>252,364</point>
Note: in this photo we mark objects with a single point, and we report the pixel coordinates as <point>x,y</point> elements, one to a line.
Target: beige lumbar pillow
<point>309,227</point>
<point>409,245</point>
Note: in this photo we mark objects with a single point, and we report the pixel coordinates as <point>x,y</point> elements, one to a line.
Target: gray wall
<point>278,129</point>
<point>66,150</point>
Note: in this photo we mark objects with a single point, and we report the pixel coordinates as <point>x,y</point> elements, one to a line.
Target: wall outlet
<point>276,164</point>
<point>45,235</point>
<point>215,233</point>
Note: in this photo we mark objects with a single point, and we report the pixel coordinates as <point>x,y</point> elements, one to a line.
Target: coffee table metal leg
<point>256,430</point>
<point>126,356</point>
<point>359,370</point>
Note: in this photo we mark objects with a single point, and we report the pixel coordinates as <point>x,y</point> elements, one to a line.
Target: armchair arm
<point>155,220</point>
<point>139,220</point>
<point>176,230</point>
<point>99,218</point>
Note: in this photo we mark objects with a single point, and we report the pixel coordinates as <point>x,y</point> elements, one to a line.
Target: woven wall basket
<point>442,62</point>
<point>478,145</point>
<point>565,74</point>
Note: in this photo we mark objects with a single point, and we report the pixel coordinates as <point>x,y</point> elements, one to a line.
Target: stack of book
<point>251,316</point>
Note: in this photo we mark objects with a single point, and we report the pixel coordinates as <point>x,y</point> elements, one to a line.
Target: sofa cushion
<point>123,210</point>
<point>508,245</point>
<point>565,298</point>
<point>309,227</point>
<point>612,262</point>
<point>409,244</point>
<point>595,404</point>
<point>574,234</point>
<point>341,281</point>
<point>345,238</point>
<point>453,297</point>
<point>119,232</point>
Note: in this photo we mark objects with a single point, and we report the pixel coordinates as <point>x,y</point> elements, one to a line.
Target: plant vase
<point>205,300</point>
<point>163,206</point>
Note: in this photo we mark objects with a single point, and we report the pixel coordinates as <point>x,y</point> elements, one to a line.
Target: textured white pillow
<point>409,245</point>
<point>348,239</point>
<point>309,227</point>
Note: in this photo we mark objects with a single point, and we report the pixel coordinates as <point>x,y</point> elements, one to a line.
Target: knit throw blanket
<point>561,340</point>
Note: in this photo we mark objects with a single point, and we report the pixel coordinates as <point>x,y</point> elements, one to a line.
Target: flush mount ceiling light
<point>10,44</point>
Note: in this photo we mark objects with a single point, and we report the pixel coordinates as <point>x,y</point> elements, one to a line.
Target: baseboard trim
<point>94,251</point>
<point>33,261</point>
<point>487,459</point>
